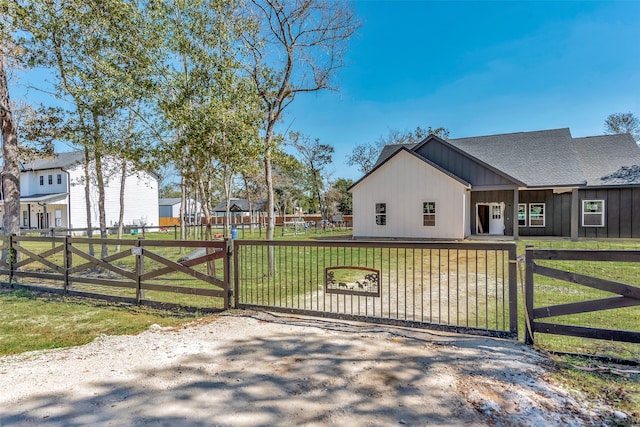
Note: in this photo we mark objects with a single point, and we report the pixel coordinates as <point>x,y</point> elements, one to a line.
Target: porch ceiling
<point>59,198</point>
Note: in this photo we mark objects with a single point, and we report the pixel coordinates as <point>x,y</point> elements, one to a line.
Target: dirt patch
<point>247,369</point>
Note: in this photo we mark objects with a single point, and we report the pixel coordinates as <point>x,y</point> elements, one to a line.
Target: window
<point>50,179</point>
<point>41,180</point>
<point>25,218</point>
<point>593,213</point>
<point>381,214</point>
<point>58,217</point>
<point>522,214</point>
<point>496,212</point>
<point>59,178</point>
<point>429,214</point>
<point>536,214</point>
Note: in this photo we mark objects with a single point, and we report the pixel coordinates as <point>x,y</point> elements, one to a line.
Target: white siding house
<point>408,197</point>
<point>52,194</point>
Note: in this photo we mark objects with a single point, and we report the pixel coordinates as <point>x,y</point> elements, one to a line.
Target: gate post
<point>528,296</point>
<point>513,289</point>
<point>236,275</point>
<point>227,274</point>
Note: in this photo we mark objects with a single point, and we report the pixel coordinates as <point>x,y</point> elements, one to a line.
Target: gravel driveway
<point>259,369</point>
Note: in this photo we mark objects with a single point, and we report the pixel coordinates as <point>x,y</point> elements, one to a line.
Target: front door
<point>496,222</point>
<point>490,218</point>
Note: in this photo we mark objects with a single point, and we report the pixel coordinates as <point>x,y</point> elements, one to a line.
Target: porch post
<point>575,213</point>
<point>516,200</point>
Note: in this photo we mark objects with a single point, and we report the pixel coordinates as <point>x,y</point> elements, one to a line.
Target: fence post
<point>139,252</point>
<point>175,232</point>
<point>13,258</point>
<point>67,263</point>
<point>513,289</point>
<point>528,296</point>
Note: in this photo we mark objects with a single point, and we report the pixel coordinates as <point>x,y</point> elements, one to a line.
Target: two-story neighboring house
<point>52,194</point>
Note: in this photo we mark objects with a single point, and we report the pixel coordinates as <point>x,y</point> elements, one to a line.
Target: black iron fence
<point>467,287</point>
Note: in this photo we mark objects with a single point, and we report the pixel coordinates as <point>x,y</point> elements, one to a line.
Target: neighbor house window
<point>381,214</point>
<point>42,180</point>
<point>50,179</point>
<point>429,214</point>
<point>536,214</point>
<point>522,214</point>
<point>25,218</point>
<point>593,213</point>
<point>59,178</point>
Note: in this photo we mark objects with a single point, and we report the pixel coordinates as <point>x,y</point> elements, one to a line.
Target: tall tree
<point>10,171</point>
<point>210,106</point>
<point>297,48</point>
<point>315,157</point>
<point>345,201</point>
<point>623,123</point>
<point>93,49</point>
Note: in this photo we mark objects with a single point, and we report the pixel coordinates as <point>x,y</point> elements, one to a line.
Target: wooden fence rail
<point>627,295</point>
<point>145,271</point>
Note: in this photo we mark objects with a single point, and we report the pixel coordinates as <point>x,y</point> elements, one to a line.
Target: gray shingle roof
<point>552,158</point>
<point>57,161</point>
<point>240,205</point>
<point>609,159</point>
<point>170,201</point>
<point>539,159</point>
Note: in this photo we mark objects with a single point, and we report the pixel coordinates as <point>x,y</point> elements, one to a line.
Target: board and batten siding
<point>140,200</point>
<point>622,212</point>
<point>460,165</point>
<point>404,183</point>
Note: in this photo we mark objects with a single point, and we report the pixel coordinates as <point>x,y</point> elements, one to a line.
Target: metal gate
<point>462,287</point>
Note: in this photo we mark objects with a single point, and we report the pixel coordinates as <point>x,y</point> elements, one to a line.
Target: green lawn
<point>31,321</point>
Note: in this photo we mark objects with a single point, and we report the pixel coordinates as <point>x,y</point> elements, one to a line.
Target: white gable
<point>404,183</point>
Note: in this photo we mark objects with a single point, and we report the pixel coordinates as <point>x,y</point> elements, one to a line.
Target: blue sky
<point>477,68</point>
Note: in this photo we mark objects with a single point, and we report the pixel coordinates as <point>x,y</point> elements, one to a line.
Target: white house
<point>52,194</point>
<point>386,203</point>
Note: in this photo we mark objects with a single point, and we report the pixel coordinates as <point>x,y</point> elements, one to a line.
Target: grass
<point>61,322</point>
<point>617,386</point>
<point>30,321</point>
<point>550,292</point>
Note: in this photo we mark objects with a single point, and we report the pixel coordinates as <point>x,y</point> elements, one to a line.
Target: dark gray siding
<point>460,165</point>
<point>498,196</point>
<point>622,213</point>
<point>557,213</point>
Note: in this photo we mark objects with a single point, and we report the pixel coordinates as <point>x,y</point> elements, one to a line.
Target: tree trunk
<point>183,204</point>
<point>123,179</point>
<point>102,217</point>
<point>10,172</point>
<point>87,195</point>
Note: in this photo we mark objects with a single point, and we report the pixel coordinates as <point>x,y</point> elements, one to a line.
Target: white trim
<point>434,214</point>
<point>526,216</point>
<point>544,215</point>
<point>594,214</point>
<point>380,214</point>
